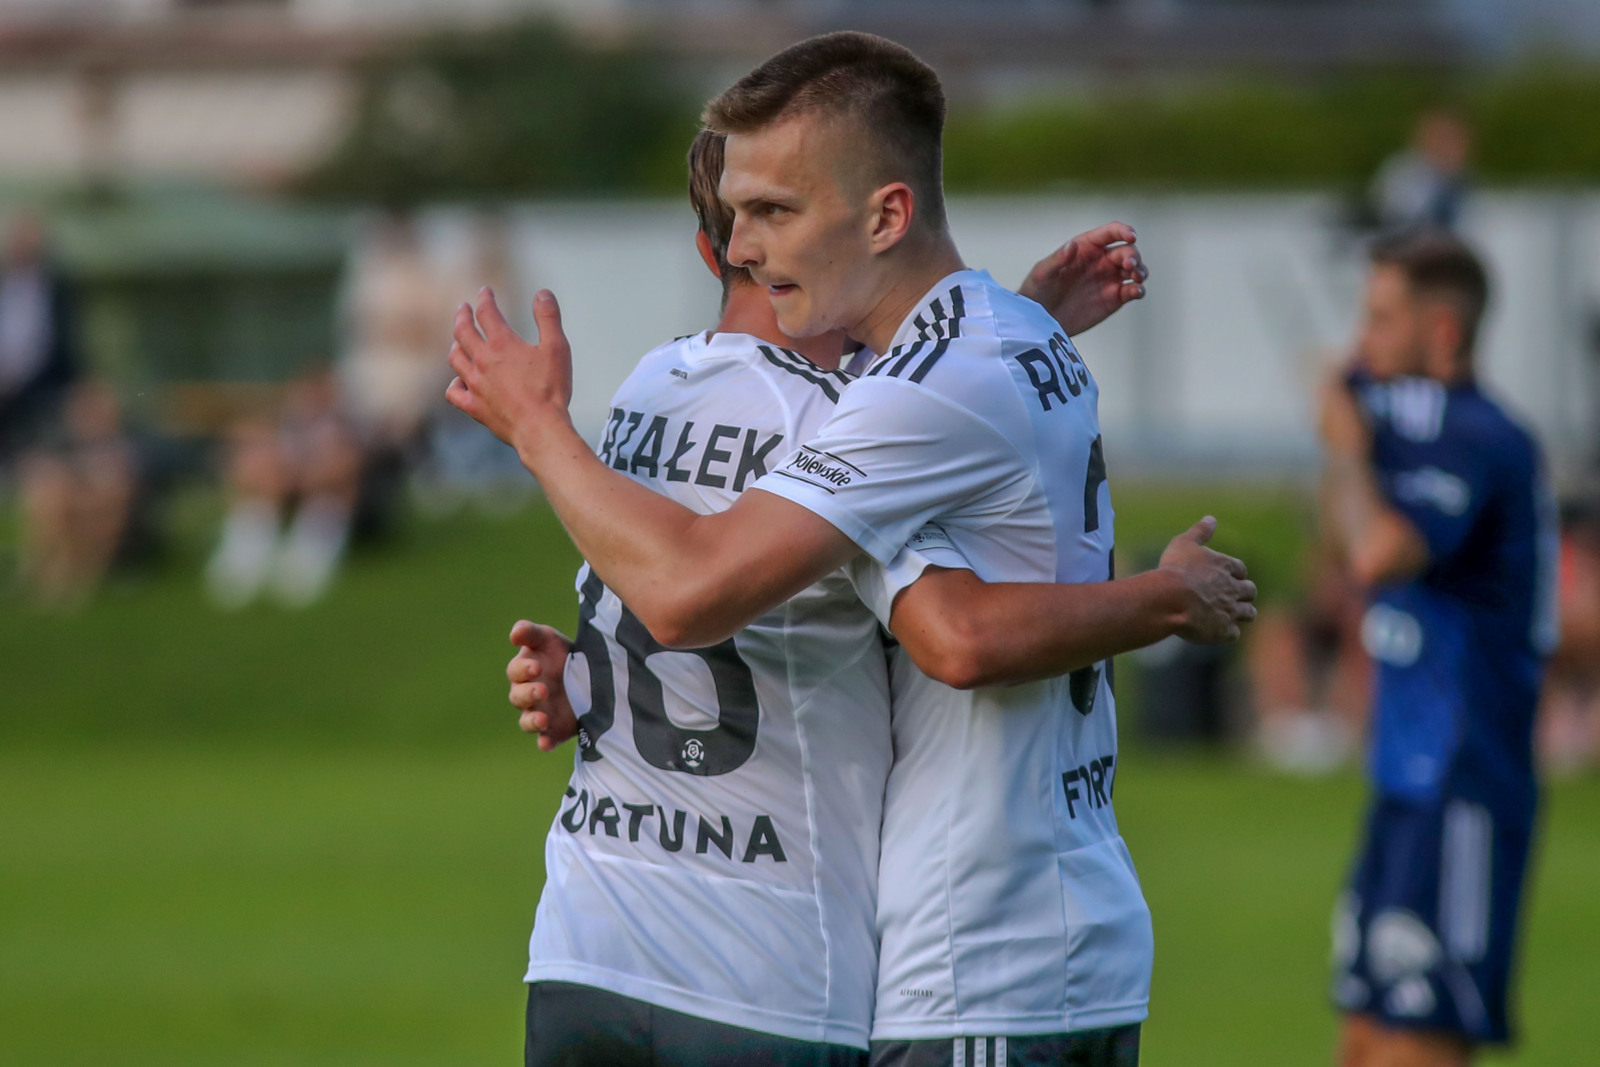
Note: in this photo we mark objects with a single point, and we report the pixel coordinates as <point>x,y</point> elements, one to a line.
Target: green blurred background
<point>317,839</point>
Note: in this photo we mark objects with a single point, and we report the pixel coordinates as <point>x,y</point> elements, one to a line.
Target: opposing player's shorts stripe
<point>1464,880</point>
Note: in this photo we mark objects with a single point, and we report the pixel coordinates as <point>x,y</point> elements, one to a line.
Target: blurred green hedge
<point>522,111</point>
<point>1538,124</point>
<point>533,112</point>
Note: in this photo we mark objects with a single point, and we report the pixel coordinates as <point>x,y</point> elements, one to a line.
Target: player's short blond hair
<point>893,99</point>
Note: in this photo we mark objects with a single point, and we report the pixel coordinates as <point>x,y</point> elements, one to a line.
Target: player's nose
<point>742,250</point>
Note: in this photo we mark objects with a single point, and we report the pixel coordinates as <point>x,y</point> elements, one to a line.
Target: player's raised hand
<point>510,385</point>
<point>537,688</point>
<point>1221,594</point>
<point>1086,280</point>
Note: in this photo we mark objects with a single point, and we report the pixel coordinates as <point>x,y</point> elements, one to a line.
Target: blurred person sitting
<point>1309,675</point>
<point>1438,505</point>
<point>1569,716</point>
<point>76,491</point>
<point>1424,186</point>
<point>306,469</point>
<point>37,333</point>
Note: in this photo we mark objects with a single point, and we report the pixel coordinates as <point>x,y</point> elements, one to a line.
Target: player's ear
<point>892,208</point>
<point>708,255</point>
<point>1444,338</point>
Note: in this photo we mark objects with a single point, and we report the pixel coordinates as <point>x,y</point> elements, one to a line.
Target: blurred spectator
<point>305,471</point>
<point>1309,674</point>
<point>394,371</point>
<point>462,460</point>
<point>37,329</point>
<point>1423,187</point>
<point>1569,715</point>
<point>76,491</point>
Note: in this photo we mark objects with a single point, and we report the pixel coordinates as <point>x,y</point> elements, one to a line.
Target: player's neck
<point>1449,369</point>
<point>748,310</point>
<point>917,268</point>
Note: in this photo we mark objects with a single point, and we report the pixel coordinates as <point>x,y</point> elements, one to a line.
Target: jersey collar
<point>938,314</point>
<point>706,346</point>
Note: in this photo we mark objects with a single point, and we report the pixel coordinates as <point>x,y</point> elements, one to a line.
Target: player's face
<point>1392,334</point>
<point>797,227</point>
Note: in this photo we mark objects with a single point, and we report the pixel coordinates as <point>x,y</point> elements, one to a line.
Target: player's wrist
<point>1173,601</point>
<point>546,440</point>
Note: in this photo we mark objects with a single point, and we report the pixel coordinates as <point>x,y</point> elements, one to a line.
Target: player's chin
<point>798,321</point>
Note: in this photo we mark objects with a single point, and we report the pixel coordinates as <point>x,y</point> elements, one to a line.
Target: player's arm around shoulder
<point>968,633</point>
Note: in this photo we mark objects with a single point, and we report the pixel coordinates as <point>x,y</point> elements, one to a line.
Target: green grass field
<point>316,838</point>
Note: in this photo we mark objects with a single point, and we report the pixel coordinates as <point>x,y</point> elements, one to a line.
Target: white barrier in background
<point>1251,296</point>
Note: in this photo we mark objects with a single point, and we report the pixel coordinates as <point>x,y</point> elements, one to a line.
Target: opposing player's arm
<point>968,633</point>
<point>1380,544</point>
<point>692,579</point>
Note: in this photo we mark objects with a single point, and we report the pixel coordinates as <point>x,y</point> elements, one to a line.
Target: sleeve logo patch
<point>1435,488</point>
<point>824,470</point>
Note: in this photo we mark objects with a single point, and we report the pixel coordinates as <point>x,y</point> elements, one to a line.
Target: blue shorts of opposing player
<point>1424,936</point>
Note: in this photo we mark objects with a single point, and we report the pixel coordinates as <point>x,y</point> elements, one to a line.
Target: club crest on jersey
<point>821,469</point>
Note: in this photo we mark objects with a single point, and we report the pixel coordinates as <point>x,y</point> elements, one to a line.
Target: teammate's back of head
<point>1439,267</point>
<point>892,99</point>
<point>716,217</point>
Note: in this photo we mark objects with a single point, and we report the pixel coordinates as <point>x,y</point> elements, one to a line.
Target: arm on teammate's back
<point>1379,543</point>
<point>693,580</point>
<point>967,633</point>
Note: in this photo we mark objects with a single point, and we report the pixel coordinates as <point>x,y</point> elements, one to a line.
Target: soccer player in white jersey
<point>1023,919</point>
<point>788,744</point>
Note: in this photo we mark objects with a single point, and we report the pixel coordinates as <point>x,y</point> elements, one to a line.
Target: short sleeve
<point>877,584</point>
<point>1443,500</point>
<point>893,456</point>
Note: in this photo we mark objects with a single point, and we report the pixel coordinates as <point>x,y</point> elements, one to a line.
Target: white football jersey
<point>1008,903</point>
<point>717,849</point>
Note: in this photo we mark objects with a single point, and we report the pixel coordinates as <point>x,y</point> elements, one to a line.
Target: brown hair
<point>1439,266</point>
<point>716,217</point>
<point>892,96</point>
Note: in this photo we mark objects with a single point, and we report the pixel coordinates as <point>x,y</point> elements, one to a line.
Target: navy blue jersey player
<point>1438,500</point>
